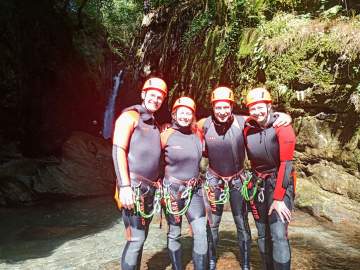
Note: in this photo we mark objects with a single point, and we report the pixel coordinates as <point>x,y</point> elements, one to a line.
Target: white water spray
<point>109,112</point>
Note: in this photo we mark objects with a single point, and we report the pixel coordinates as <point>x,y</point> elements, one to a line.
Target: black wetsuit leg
<point>240,214</point>
<point>196,216</point>
<point>137,229</point>
<point>273,241</point>
<point>213,228</point>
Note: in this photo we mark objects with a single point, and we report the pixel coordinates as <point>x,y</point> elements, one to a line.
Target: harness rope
<point>224,196</point>
<point>186,194</point>
<point>245,191</point>
<point>157,202</point>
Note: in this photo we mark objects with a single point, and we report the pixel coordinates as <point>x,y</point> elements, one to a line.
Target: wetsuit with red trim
<point>143,152</point>
<point>226,153</point>
<point>182,150</point>
<point>270,151</point>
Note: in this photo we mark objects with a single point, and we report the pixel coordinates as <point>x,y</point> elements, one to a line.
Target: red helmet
<point>258,95</point>
<point>185,102</point>
<point>222,94</point>
<point>155,84</point>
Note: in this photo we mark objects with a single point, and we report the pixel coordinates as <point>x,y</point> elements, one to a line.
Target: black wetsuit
<point>182,154</point>
<point>270,151</point>
<point>226,153</point>
<point>143,161</point>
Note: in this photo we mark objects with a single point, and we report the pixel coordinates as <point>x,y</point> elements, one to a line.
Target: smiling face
<point>260,112</point>
<point>152,99</point>
<point>183,116</point>
<point>222,110</point>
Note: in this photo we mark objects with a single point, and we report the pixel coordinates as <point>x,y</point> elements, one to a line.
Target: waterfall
<point>109,112</point>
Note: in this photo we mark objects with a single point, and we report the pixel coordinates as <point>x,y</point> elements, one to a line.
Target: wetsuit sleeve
<point>124,127</point>
<point>200,124</point>
<point>164,136</point>
<point>200,131</point>
<point>286,139</point>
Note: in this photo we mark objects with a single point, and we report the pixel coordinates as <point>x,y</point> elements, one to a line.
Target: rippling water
<point>88,234</point>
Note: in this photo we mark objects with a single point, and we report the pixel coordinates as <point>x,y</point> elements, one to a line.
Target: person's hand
<point>282,120</point>
<point>126,196</point>
<point>282,210</point>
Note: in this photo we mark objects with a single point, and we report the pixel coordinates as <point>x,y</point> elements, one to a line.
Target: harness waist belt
<point>189,182</point>
<point>227,178</point>
<point>139,178</point>
<point>266,174</point>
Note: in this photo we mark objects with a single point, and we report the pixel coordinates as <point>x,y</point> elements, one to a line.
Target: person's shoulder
<point>164,136</point>
<point>200,124</point>
<point>167,132</point>
<point>131,116</point>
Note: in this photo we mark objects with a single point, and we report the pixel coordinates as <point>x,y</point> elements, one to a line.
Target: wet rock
<point>16,180</point>
<point>325,139</point>
<point>86,169</point>
<point>333,178</point>
<point>321,203</point>
<point>328,165</point>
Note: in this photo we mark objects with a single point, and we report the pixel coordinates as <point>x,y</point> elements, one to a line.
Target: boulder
<point>321,203</point>
<point>85,169</point>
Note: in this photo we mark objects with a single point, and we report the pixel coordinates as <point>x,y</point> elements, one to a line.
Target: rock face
<point>328,167</point>
<point>86,169</point>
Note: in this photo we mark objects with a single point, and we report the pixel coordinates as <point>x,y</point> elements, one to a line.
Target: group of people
<point>224,138</point>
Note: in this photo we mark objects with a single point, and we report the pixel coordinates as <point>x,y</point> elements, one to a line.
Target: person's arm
<point>200,133</point>
<point>164,136</point>
<point>283,119</point>
<point>286,139</point>
<point>124,127</point>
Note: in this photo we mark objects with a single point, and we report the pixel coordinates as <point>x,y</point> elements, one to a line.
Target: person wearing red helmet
<point>270,151</point>
<point>136,136</point>
<point>182,148</point>
<point>225,149</point>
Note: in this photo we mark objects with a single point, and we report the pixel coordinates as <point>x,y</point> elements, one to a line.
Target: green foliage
<point>287,45</point>
<point>331,12</point>
<point>296,53</point>
<point>200,22</point>
<point>158,3</point>
<point>248,41</point>
<point>119,18</point>
<point>358,89</point>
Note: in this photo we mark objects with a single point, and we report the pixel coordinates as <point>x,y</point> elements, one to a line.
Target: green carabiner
<point>223,198</point>
<point>138,203</point>
<point>182,212</point>
<point>245,191</point>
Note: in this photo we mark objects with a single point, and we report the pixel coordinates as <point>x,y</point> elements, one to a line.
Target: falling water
<point>109,112</point>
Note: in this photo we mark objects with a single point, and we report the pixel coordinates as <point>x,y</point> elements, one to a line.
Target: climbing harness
<point>225,191</point>
<point>139,198</point>
<point>224,196</point>
<point>139,206</point>
<point>254,185</point>
<point>171,205</point>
